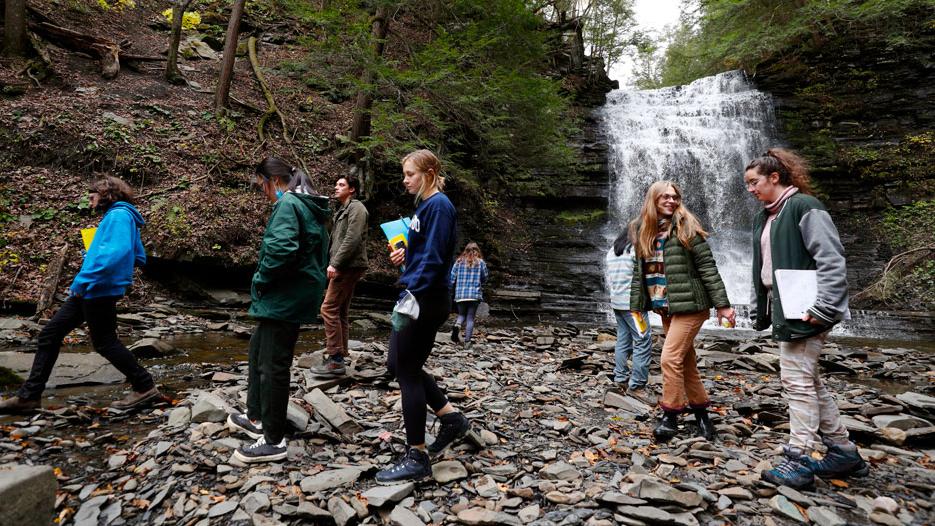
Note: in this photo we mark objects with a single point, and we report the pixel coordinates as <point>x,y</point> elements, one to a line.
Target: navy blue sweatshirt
<point>431,246</point>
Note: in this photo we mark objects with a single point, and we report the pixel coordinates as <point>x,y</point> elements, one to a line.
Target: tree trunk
<point>361,124</point>
<point>14,28</point>
<point>222,94</point>
<point>172,70</point>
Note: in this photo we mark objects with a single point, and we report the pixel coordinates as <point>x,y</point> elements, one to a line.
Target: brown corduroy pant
<point>681,381</point>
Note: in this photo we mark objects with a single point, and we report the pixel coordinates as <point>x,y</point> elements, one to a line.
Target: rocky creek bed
<point>560,445</point>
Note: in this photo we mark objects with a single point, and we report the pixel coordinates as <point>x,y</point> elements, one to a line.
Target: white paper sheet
<point>798,290</point>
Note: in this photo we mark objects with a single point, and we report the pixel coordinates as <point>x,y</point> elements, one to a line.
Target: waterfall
<point>701,136</point>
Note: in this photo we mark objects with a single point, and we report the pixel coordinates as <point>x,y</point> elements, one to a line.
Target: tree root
<point>271,103</point>
<point>879,289</point>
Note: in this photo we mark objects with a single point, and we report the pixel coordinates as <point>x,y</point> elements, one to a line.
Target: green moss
<point>581,216</point>
<point>8,378</point>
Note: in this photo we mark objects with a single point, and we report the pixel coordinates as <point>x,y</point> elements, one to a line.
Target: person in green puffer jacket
<point>795,232</point>
<point>675,275</point>
<point>287,290</point>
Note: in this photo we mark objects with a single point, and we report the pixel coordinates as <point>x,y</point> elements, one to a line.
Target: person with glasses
<point>675,275</point>
<point>795,232</point>
<point>468,274</point>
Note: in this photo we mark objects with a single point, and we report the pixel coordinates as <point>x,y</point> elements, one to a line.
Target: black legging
<point>409,349</point>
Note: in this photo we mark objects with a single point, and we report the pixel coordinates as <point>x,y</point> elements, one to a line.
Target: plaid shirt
<point>467,280</point>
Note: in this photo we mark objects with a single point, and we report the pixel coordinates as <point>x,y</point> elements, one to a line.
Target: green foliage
<point>719,35</point>
<point>582,216</point>
<point>46,214</point>
<point>910,226</point>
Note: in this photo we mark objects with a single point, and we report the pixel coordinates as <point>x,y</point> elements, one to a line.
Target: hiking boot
<point>453,427</point>
<point>329,368</point>
<point>260,451</point>
<point>668,426</point>
<point>19,406</point>
<point>840,462</point>
<point>240,423</point>
<point>135,399</point>
<point>643,394</point>
<point>795,471</point>
<point>705,427</point>
<point>456,333</point>
<point>414,465</point>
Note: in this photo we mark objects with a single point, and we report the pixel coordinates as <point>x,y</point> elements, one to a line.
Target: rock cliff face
<point>861,111</point>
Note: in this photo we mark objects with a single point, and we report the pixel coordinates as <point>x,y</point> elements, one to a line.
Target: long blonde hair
<point>643,230</point>
<point>471,254</point>
<point>426,162</point>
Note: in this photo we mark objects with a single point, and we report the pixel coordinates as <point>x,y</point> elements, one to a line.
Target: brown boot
<point>19,406</point>
<point>134,399</point>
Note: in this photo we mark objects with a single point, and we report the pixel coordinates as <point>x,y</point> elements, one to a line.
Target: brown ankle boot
<point>135,399</point>
<point>19,406</point>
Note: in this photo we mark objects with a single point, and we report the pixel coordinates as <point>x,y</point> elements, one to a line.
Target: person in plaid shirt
<point>467,275</point>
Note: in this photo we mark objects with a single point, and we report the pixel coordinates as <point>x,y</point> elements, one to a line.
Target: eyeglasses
<point>670,197</point>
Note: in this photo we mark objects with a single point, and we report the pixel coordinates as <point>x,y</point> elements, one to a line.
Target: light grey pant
<point>811,407</point>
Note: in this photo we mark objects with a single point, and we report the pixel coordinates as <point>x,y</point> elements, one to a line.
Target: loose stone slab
<point>559,471</point>
<point>333,413</point>
<point>401,516</point>
<point>329,479</point>
<point>448,470</point>
<point>782,505</point>
<point>27,494</point>
<point>380,495</point>
<point>70,368</point>
<point>483,517</point>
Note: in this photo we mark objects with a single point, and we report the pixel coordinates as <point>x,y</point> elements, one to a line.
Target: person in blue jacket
<point>105,274</point>
<point>421,310</point>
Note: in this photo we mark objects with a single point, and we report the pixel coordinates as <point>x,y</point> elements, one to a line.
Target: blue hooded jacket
<point>107,269</point>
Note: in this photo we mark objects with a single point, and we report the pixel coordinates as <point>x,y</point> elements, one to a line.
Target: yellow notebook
<point>87,235</point>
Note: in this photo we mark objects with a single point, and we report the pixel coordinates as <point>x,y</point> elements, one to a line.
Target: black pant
<point>101,316</point>
<point>409,349</point>
<point>270,362</point>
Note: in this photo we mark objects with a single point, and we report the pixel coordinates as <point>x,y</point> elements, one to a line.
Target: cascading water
<point>700,136</point>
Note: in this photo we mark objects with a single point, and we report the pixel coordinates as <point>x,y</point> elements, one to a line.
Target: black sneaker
<point>412,466</point>
<point>456,333</point>
<point>240,423</point>
<point>330,368</point>
<point>453,427</point>
<point>794,472</point>
<point>260,451</point>
<point>840,463</point>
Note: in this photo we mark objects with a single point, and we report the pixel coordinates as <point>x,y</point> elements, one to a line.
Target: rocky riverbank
<point>555,443</point>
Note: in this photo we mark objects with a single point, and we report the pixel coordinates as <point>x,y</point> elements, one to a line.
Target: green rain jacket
<point>289,281</point>
<point>693,282</point>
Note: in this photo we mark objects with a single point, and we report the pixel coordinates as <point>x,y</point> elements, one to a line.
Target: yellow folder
<point>87,235</point>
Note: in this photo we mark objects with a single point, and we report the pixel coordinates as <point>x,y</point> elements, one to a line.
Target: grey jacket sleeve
<point>823,243</point>
<point>353,236</point>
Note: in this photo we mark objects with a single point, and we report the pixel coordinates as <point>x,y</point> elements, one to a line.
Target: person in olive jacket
<point>795,232</point>
<point>286,292</point>
<point>347,265</point>
<point>677,278</point>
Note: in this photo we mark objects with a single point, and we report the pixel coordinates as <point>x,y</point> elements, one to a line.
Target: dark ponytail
<point>294,178</point>
<point>792,169</point>
<point>621,243</point>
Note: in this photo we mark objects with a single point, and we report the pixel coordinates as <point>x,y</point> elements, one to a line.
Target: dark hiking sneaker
<point>456,333</point>
<point>19,406</point>
<point>667,427</point>
<point>135,400</point>
<point>453,427</point>
<point>260,451</point>
<point>240,423</point>
<point>705,426</point>
<point>795,471</point>
<point>412,466</point>
<point>330,368</point>
<point>840,462</point>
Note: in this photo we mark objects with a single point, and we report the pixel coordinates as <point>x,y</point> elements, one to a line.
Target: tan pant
<point>335,309</point>
<point>811,407</point>
<point>681,382</point>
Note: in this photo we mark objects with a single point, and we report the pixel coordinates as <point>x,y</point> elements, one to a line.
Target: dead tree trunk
<point>15,42</point>
<point>47,296</point>
<point>107,51</point>
<point>222,94</point>
<point>172,70</point>
<point>361,124</point>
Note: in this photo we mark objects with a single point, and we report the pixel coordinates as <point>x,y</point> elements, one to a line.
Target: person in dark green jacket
<point>287,289</point>
<point>675,275</point>
<point>795,232</point>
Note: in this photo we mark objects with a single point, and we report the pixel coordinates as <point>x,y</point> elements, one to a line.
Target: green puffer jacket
<point>693,282</point>
<point>289,281</point>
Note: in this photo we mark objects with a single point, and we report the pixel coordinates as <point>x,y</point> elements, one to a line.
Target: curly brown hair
<point>112,189</point>
<point>792,168</point>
